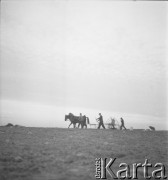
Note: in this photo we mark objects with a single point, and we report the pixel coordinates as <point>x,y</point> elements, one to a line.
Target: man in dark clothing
<point>122,124</point>
<point>100,120</point>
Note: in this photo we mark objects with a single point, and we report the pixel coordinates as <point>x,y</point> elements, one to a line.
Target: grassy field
<point>55,153</point>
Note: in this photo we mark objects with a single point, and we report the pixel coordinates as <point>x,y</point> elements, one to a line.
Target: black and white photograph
<point>83,89</point>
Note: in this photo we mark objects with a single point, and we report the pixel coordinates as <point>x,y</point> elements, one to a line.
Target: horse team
<point>80,120</point>
<point>83,121</point>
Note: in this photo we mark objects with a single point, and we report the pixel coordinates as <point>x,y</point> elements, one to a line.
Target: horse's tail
<point>88,120</point>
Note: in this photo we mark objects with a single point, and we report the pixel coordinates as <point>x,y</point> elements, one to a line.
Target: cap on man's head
<point>99,113</point>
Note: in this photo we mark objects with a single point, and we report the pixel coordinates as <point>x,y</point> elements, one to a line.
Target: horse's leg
<point>84,123</point>
<point>70,124</point>
<point>74,125</point>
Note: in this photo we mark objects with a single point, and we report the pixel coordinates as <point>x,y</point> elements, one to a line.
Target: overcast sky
<point>88,56</point>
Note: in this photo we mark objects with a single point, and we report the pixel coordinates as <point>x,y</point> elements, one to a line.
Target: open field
<point>55,153</point>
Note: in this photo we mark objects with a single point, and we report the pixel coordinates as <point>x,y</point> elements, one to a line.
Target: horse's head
<point>69,116</point>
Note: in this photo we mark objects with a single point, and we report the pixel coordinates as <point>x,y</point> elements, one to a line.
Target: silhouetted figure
<point>100,120</point>
<point>9,125</point>
<point>80,117</point>
<point>113,123</point>
<point>152,128</point>
<point>80,120</point>
<point>122,124</point>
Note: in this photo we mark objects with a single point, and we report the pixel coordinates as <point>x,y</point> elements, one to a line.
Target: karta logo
<point>104,167</point>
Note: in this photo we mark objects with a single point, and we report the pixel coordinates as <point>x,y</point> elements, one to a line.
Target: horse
<point>75,119</point>
<point>84,122</point>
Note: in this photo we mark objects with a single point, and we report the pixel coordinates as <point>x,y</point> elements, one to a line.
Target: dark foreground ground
<point>53,153</point>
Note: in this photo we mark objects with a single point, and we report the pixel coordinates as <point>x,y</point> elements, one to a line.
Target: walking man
<point>80,120</point>
<point>100,120</point>
<point>122,124</point>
